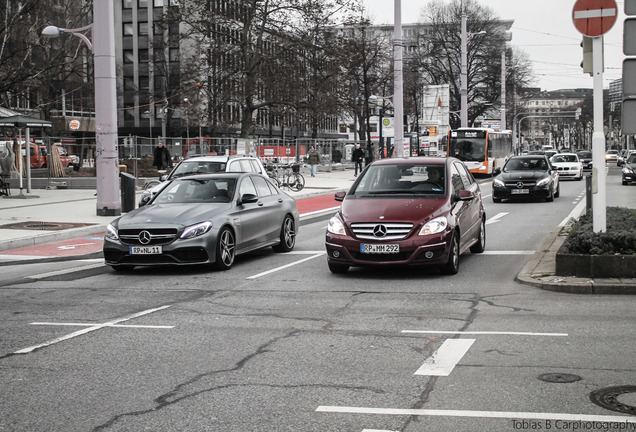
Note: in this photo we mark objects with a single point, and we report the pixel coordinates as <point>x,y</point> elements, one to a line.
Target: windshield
<point>402,179</point>
<point>468,149</point>
<point>526,164</point>
<point>585,154</point>
<point>219,190</point>
<point>565,158</point>
<point>197,167</point>
<point>632,158</point>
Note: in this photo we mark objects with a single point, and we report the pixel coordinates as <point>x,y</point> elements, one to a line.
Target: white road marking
<point>66,271</point>
<point>486,333</point>
<point>480,414</point>
<point>286,266</point>
<point>574,214</point>
<point>444,360</point>
<point>376,430</point>
<point>511,252</point>
<point>66,247</point>
<point>304,215</point>
<point>496,218</point>
<point>304,252</point>
<point>89,330</point>
<point>594,13</point>
<point>92,324</point>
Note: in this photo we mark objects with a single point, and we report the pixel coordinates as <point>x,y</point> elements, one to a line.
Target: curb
<point>51,237</point>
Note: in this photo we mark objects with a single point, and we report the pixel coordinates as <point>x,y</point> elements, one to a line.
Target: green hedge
<point>619,238</point>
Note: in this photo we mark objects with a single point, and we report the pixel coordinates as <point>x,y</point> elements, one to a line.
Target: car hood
<point>566,164</point>
<point>171,214</point>
<point>522,175</point>
<point>386,209</point>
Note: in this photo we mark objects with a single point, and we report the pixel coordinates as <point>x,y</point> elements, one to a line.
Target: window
<point>128,29</point>
<point>247,187</point>
<point>456,179</point>
<point>465,175</point>
<point>261,185</point>
<point>129,56</point>
<point>128,4</point>
<point>235,166</point>
<point>158,3</point>
<point>143,28</point>
<point>142,3</point>
<point>143,55</point>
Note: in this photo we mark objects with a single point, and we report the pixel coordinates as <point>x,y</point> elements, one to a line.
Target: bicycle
<point>287,176</point>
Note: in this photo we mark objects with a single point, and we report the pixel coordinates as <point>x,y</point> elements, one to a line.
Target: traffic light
<point>588,58</point>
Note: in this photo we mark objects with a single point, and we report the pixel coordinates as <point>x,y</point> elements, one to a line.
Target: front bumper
<point>414,251</point>
<point>499,192</point>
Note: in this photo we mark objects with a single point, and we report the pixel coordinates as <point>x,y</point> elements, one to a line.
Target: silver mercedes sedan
<point>203,219</point>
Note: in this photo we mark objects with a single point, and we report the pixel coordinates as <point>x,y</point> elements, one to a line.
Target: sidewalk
<point>52,215</point>
<point>49,217</point>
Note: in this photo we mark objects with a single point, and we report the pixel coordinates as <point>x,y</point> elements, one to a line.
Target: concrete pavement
<point>63,223</point>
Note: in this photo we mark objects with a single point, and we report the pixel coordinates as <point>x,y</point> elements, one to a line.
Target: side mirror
<point>339,196</point>
<point>496,171</point>
<point>465,195</point>
<point>163,177</point>
<point>144,200</point>
<point>248,199</point>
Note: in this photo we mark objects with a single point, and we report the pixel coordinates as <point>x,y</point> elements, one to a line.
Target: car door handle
<point>260,203</point>
<point>280,200</point>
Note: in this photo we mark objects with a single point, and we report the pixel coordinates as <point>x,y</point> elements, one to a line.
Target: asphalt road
<point>278,343</point>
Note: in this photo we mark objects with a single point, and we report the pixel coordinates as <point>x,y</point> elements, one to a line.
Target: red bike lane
<point>86,245</point>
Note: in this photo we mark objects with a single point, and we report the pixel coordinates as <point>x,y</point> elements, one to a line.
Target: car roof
<point>419,160</point>
<point>566,154</point>
<point>220,175</point>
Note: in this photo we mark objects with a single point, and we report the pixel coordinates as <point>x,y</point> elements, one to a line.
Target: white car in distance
<point>568,165</point>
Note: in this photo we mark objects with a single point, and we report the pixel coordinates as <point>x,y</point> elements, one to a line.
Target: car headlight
<point>335,226</point>
<point>628,170</point>
<point>498,182</point>
<point>543,181</point>
<point>434,226</point>
<point>196,230</point>
<point>111,233</point>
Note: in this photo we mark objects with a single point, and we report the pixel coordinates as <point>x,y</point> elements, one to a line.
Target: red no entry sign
<point>594,17</point>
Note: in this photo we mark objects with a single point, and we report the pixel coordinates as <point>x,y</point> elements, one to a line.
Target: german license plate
<point>520,191</point>
<point>380,248</point>
<point>145,250</point>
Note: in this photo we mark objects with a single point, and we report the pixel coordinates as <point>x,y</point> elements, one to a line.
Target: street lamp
<point>464,69</point>
<point>375,99</point>
<point>187,102</point>
<point>103,48</point>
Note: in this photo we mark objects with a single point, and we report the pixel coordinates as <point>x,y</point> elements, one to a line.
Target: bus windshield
<point>467,149</point>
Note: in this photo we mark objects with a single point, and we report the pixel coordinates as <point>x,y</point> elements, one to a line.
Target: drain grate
<point>43,226</point>
<point>559,378</point>
<point>610,398</point>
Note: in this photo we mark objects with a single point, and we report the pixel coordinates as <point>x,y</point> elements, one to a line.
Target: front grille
<point>524,184</point>
<point>402,256</point>
<point>157,236</point>
<point>382,230</point>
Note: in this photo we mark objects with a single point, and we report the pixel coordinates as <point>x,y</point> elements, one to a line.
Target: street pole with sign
<point>594,18</point>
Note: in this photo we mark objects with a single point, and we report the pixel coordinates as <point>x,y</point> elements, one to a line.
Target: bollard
<point>127,186</point>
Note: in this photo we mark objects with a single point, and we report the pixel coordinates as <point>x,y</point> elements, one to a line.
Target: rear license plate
<point>380,248</point>
<point>520,191</point>
<point>145,250</point>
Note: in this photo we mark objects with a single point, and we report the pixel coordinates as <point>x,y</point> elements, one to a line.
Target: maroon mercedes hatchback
<point>422,211</point>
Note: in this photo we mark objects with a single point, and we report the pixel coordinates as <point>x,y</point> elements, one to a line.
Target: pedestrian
<point>357,157</point>
<point>313,160</point>
<point>162,159</point>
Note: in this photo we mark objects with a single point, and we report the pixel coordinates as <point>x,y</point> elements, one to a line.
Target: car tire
<point>480,246</point>
<point>496,200</point>
<point>550,197</point>
<point>625,183</point>
<point>122,268</point>
<point>287,236</point>
<point>580,178</point>
<point>338,268</point>
<point>452,265</point>
<point>225,249</point>
<point>558,191</point>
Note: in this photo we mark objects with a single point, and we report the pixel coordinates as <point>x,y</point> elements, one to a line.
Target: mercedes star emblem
<point>379,231</point>
<point>144,237</point>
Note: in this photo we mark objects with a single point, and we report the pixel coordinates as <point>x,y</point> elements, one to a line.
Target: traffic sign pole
<point>594,18</point>
<point>599,199</point>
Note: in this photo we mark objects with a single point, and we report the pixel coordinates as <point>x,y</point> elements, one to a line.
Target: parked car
<point>568,165</point>
<point>207,164</point>
<point>585,156</point>
<point>526,176</point>
<point>629,169</point>
<point>622,156</point>
<point>203,219</point>
<point>611,156</point>
<point>423,211</point>
<point>39,156</point>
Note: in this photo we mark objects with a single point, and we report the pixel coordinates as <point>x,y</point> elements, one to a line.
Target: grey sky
<point>543,29</point>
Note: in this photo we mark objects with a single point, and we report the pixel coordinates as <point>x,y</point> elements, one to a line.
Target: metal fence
<point>136,151</point>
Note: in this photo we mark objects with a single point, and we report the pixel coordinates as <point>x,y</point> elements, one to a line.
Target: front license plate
<point>145,250</point>
<point>520,191</point>
<point>380,248</point>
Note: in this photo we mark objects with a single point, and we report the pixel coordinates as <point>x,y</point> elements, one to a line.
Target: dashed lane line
<point>265,273</point>
<point>444,360</point>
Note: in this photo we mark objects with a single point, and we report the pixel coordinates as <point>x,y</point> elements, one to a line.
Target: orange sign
<point>74,124</point>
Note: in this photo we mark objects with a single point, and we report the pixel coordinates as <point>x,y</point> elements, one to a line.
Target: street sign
<point>594,17</point>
